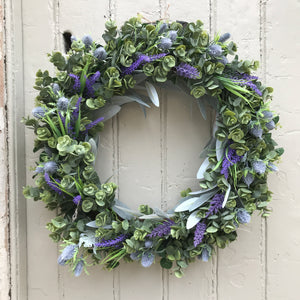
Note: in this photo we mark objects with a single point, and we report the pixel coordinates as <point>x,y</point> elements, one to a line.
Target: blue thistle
<point>243,216</point>
<point>172,35</point>
<point>267,114</point>
<point>256,131</point>
<point>215,50</point>
<point>199,233</point>
<point>135,255</point>
<point>67,254</point>
<point>162,229</point>
<point>87,40</point>
<point>205,255</point>
<point>165,43</point>
<point>270,125</point>
<point>272,167</point>
<point>215,204</point>
<point>224,37</point>
<point>39,112</point>
<point>187,71</point>
<point>50,167</point>
<point>63,104</point>
<point>79,267</point>
<point>163,27</point>
<point>55,88</point>
<point>100,53</point>
<point>259,167</point>
<point>39,170</point>
<point>223,60</point>
<point>73,38</point>
<point>248,179</point>
<point>147,259</point>
<point>148,244</point>
<point>112,243</point>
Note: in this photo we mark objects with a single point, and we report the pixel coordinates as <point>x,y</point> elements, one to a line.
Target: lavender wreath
<point>92,224</point>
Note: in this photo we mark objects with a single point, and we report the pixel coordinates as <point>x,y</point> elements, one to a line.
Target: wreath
<point>91,85</point>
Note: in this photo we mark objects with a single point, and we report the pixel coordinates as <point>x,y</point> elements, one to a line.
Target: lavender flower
<point>248,179</point>
<point>77,199</point>
<point>79,267</point>
<point>113,242</point>
<point>76,85</point>
<point>246,79</point>
<point>172,35</point>
<point>63,104</point>
<point>55,88</point>
<point>199,233</point>
<point>205,254</point>
<point>267,114</point>
<point>272,167</point>
<point>187,71</point>
<point>270,125</point>
<point>100,53</point>
<point>67,254</point>
<point>215,50</point>
<point>52,185</point>
<point>92,124</point>
<point>215,204</point>
<point>259,166</point>
<point>230,159</point>
<point>87,40</point>
<point>165,43</point>
<point>163,27</point>
<point>256,131</point>
<point>224,37</point>
<point>162,229</point>
<point>243,216</point>
<point>39,112</point>
<point>147,259</point>
<point>50,167</point>
<point>90,93</point>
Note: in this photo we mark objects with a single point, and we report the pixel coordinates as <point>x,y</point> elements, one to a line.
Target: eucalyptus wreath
<point>91,84</point>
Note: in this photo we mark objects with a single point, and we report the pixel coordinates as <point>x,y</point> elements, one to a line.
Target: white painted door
<point>152,159</point>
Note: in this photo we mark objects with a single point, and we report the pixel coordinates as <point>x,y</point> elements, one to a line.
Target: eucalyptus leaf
<point>226,195</point>
<point>152,93</point>
<point>192,220</point>
<point>108,111</point>
<point>201,200</point>
<point>202,191</point>
<point>202,169</point>
<point>92,224</point>
<point>87,239</point>
<point>202,108</point>
<point>220,149</point>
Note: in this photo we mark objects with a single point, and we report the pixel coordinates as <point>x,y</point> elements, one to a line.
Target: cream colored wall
<point>153,159</point>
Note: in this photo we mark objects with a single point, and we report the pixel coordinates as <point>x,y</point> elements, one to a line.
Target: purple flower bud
<point>259,167</point>
<point>256,131</point>
<point>243,216</point>
<point>248,179</point>
<point>147,259</point>
<point>39,112</point>
<point>79,267</point>
<point>50,167</point>
<point>55,88</point>
<point>163,27</point>
<point>87,40</point>
<point>63,103</point>
<point>172,35</point>
<point>267,114</point>
<point>215,50</point>
<point>224,37</point>
<point>270,125</point>
<point>67,254</point>
<point>100,53</point>
<point>165,43</point>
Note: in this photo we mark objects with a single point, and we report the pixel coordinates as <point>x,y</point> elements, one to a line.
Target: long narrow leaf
<point>202,169</point>
<point>152,93</point>
<point>192,220</point>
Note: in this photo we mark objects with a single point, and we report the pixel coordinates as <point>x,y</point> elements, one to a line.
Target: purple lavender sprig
<point>92,124</point>
<point>113,242</point>
<point>77,199</point>
<point>230,159</point>
<point>246,79</point>
<point>141,60</point>
<point>187,71</point>
<point>76,85</point>
<point>52,185</point>
<point>215,204</point>
<point>199,233</point>
<point>162,229</point>
<point>90,81</point>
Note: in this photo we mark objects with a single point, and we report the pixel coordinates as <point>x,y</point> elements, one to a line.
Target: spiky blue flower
<point>248,179</point>
<point>100,53</point>
<point>148,244</point>
<point>50,167</point>
<point>67,254</point>
<point>215,50</point>
<point>205,255</point>
<point>147,259</point>
<point>79,267</point>
<point>243,216</point>
<point>256,131</point>
<point>39,170</point>
<point>55,88</point>
<point>224,37</point>
<point>199,233</point>
<point>165,43</point>
<point>163,27</point>
<point>63,103</point>
<point>73,38</point>
<point>270,125</point>
<point>135,255</point>
<point>39,112</point>
<point>87,40</point>
<point>259,167</point>
<point>172,35</point>
<point>272,167</point>
<point>267,114</point>
<point>187,71</point>
<point>223,60</point>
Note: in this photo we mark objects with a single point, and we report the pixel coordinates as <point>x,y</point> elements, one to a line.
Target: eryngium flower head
<point>223,60</point>
<point>199,233</point>
<point>172,35</point>
<point>259,167</point>
<point>224,37</point>
<point>272,167</point>
<point>163,27</point>
<point>165,43</point>
<point>39,170</point>
<point>73,38</point>
<point>135,255</point>
<point>256,131</point>
<point>147,259</point>
<point>39,112</point>
<point>79,267</point>
<point>187,71</point>
<point>148,244</point>
<point>270,125</point>
<point>87,40</point>
<point>267,114</point>
<point>50,167</point>
<point>63,103</point>
<point>100,53</point>
<point>55,88</point>
<point>204,255</point>
<point>248,179</point>
<point>67,254</point>
<point>215,50</point>
<point>243,216</point>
